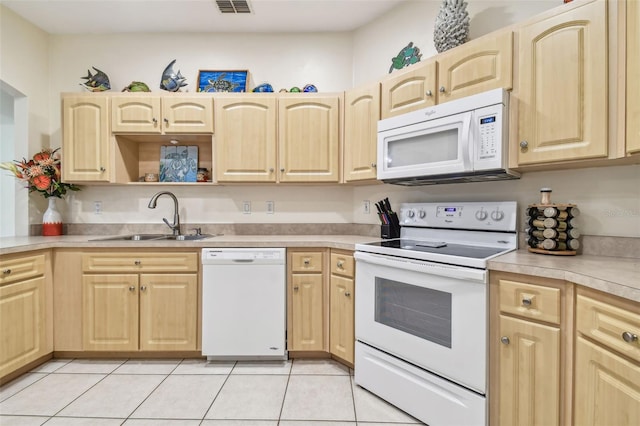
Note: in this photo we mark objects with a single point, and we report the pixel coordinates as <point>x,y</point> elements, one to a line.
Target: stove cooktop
<point>440,247</point>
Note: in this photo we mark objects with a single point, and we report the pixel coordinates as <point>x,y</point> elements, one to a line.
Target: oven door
<point>434,147</point>
<point>428,314</point>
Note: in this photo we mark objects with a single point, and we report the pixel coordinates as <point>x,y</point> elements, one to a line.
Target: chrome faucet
<point>175,226</point>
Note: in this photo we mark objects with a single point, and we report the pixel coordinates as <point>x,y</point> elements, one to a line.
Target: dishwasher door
<point>244,303</point>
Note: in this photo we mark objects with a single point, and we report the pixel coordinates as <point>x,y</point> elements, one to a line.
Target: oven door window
<point>419,311</point>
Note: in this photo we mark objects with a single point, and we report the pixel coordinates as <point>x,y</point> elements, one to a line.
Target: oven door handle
<point>460,272</point>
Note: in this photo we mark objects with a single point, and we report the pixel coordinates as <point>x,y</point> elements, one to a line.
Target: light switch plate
<point>270,207</point>
<point>246,207</point>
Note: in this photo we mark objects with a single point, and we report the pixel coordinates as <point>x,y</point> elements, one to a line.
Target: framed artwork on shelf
<point>223,81</point>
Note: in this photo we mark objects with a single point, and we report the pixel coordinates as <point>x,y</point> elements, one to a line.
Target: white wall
<point>27,80</point>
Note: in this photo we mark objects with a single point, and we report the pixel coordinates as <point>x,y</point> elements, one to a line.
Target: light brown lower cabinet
<point>607,379</point>
<point>561,354</point>
<point>342,309</point>
<point>26,323</point>
<point>138,309</point>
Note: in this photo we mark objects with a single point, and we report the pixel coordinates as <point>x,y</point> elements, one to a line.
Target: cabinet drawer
<point>530,301</point>
<point>611,326</point>
<point>21,268</point>
<point>140,262</point>
<point>310,261</point>
<point>342,264</point>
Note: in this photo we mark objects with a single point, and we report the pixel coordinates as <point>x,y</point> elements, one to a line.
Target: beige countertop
<point>614,275</point>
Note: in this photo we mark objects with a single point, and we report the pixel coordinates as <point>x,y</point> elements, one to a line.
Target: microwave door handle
<point>467,151</point>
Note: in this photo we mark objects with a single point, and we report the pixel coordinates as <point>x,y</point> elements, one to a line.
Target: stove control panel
<point>490,215</point>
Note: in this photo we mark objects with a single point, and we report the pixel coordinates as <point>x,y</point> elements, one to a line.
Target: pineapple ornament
<point>452,25</point>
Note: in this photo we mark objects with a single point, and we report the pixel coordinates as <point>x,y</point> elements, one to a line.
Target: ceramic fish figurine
<point>98,82</point>
<point>409,55</point>
<point>263,88</point>
<point>295,89</point>
<point>136,86</point>
<point>310,88</point>
<point>172,81</point>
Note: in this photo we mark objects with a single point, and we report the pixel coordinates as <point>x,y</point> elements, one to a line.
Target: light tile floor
<point>193,392</point>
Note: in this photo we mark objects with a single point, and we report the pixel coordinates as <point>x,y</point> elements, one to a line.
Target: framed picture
<point>222,81</point>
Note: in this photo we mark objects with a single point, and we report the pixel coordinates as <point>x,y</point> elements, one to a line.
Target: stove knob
<point>422,214</point>
<point>497,215</point>
<point>411,213</point>
<point>481,215</point>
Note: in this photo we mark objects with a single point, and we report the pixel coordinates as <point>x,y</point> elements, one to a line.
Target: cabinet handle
<point>137,263</point>
<point>629,337</point>
<point>155,120</point>
<point>271,170</point>
<point>442,89</point>
<point>102,169</point>
<point>132,288</point>
<point>296,288</point>
<point>6,271</point>
<point>143,288</point>
<point>526,302</point>
<point>505,340</point>
<point>347,293</point>
<point>429,93</point>
<point>340,264</point>
<point>282,169</point>
<point>166,121</point>
<point>306,262</point>
<point>524,145</point>
<point>374,165</point>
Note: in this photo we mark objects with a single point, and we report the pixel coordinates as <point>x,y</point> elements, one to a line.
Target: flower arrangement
<point>42,174</point>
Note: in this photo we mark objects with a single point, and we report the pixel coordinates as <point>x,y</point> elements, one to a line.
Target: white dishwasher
<point>243,303</point>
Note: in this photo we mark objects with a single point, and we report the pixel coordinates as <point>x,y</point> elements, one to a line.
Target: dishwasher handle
<point>243,260</point>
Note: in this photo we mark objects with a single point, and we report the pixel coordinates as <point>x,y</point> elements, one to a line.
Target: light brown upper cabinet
<point>361,115</point>
<point>245,138</point>
<point>474,67</point>
<point>86,138</point>
<point>410,89</point>
<point>633,77</point>
<point>560,96</point>
<point>134,113</point>
<point>309,137</point>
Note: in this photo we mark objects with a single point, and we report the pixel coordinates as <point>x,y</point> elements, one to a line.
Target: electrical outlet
<point>366,206</point>
<point>246,207</point>
<point>270,207</point>
<point>97,207</point>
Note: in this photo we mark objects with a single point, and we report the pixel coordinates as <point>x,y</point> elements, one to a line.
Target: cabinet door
<point>475,67</point>
<point>245,138</point>
<point>562,87</point>
<point>633,82</point>
<point>135,114</point>
<point>529,384</point>
<point>86,139</point>
<point>22,324</point>
<point>361,115</point>
<point>341,334</point>
<point>308,138</point>
<point>110,312</point>
<point>307,307</point>
<point>408,90</point>
<point>187,114</point>
<point>168,312</point>
<point>607,387</point>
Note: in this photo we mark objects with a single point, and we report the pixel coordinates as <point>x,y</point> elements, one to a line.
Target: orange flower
<point>42,182</point>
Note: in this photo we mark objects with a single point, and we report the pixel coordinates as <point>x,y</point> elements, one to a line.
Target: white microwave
<point>464,140</point>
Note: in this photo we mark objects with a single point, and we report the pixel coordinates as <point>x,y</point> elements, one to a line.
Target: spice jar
<point>202,175</point>
<point>545,195</point>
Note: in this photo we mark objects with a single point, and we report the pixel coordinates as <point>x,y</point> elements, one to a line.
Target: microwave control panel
<point>489,133</point>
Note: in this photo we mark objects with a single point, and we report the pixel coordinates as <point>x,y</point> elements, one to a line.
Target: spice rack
<point>552,228</point>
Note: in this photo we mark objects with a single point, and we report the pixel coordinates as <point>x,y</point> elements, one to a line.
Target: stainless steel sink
<point>155,237</point>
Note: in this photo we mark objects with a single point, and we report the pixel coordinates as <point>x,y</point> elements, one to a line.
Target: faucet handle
<point>198,231</point>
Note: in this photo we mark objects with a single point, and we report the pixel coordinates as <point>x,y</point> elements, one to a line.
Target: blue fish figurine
<point>98,82</point>
<point>172,81</point>
<point>310,88</point>
<point>263,88</point>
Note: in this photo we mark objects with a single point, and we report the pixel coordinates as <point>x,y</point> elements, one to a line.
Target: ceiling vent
<point>233,6</point>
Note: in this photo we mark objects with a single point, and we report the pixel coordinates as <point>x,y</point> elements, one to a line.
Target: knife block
<point>389,231</point>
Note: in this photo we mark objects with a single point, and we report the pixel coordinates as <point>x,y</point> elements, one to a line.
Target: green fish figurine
<point>137,86</point>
